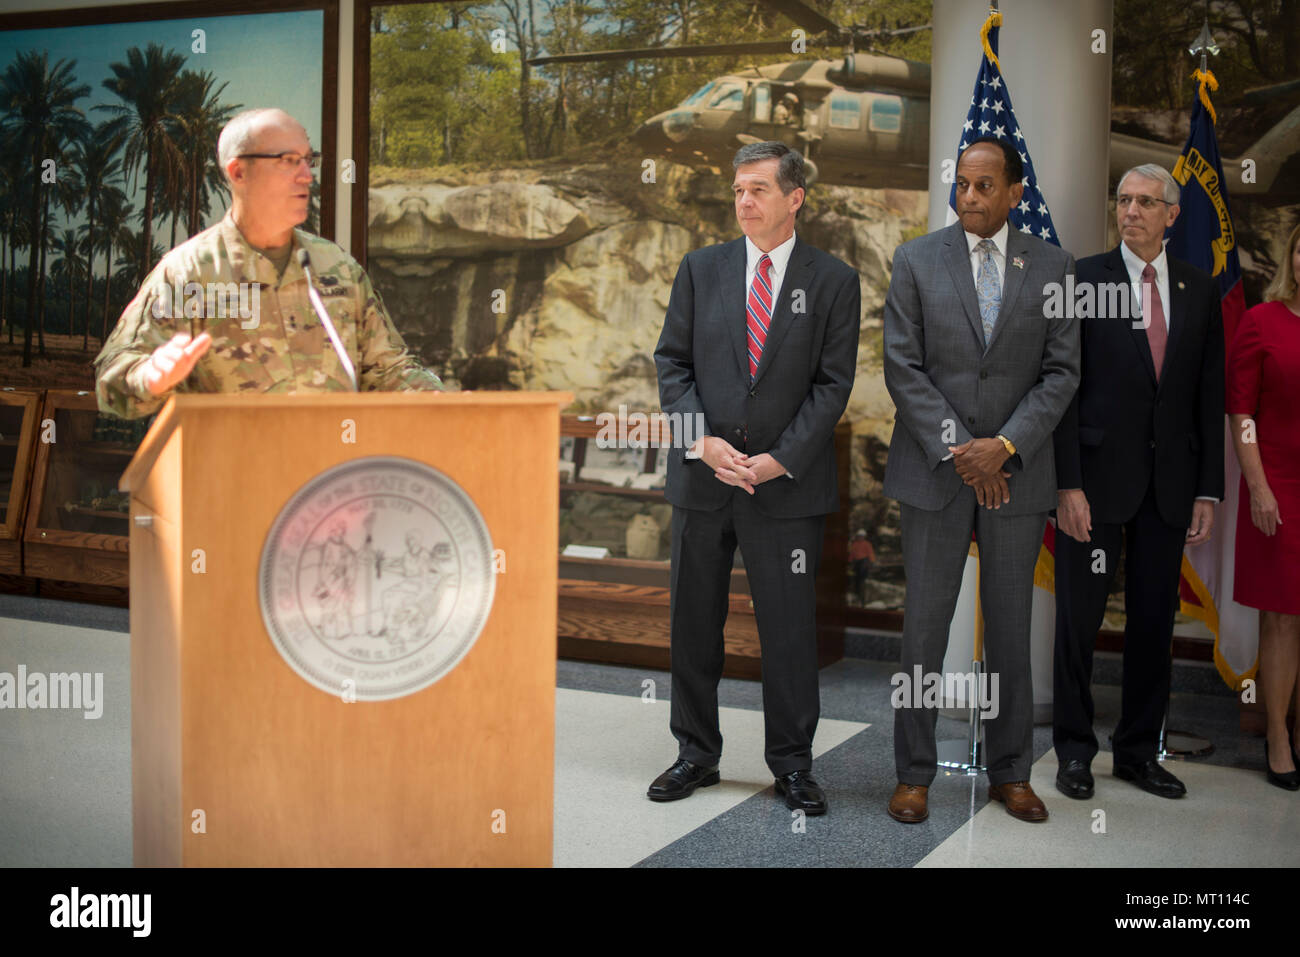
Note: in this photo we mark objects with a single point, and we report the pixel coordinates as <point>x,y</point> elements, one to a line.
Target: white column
<point>1060,90</point>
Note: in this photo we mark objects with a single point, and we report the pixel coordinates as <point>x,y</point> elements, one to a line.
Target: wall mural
<point>109,133</point>
<point>538,169</point>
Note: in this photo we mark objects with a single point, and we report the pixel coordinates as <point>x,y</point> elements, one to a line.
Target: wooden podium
<point>237,759</point>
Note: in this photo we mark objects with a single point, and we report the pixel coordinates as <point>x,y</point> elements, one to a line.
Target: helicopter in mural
<point>862,119</point>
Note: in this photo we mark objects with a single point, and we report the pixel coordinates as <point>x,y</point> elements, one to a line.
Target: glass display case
<point>18,416</point>
<point>612,498</point>
<point>615,540</point>
<point>78,522</point>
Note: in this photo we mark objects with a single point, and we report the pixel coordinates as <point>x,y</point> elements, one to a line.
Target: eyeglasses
<point>1146,202</point>
<point>286,161</point>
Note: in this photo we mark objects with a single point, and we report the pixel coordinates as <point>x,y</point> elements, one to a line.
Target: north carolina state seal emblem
<point>376,578</point>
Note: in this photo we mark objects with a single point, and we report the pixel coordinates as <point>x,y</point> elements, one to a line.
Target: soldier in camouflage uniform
<point>227,311</point>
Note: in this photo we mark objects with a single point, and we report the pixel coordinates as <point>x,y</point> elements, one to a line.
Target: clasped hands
<point>979,464</point>
<point>732,467</point>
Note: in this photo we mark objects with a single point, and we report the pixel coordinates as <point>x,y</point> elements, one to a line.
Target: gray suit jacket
<point>948,387</point>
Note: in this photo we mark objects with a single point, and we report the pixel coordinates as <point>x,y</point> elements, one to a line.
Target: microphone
<point>322,313</point>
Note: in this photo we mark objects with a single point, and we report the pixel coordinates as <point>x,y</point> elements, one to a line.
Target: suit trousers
<point>1153,556</point>
<point>935,547</point>
<point>781,556</point>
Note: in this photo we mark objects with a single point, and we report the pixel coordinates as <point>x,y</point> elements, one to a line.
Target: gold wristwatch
<point>1006,442</point>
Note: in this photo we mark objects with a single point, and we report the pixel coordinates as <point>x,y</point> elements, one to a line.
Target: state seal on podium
<point>376,578</point>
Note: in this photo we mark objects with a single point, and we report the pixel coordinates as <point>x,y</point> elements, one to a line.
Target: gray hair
<point>1157,172</point>
<point>240,133</point>
<point>789,172</point>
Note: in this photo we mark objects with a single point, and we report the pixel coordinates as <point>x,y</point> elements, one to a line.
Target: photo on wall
<point>109,118</point>
<point>536,171</point>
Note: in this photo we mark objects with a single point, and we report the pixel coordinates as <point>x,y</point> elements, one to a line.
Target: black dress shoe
<point>1073,779</point>
<point>801,792</point>
<point>681,780</point>
<point>1290,780</point>
<point>1150,776</point>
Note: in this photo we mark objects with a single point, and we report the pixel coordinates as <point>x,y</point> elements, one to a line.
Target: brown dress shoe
<point>908,804</point>
<point>1020,799</point>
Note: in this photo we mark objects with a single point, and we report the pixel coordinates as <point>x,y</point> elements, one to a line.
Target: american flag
<point>991,115</point>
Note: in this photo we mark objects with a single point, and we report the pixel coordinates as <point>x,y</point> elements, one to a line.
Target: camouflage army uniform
<point>288,350</point>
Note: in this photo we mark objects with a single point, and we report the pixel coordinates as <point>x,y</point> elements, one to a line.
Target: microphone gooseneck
<point>304,260</point>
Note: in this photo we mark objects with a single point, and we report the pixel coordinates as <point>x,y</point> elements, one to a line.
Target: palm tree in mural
<point>9,201</point>
<point>19,231</point>
<point>147,83</point>
<point>171,199</point>
<point>70,195</point>
<point>68,267</point>
<point>17,173</point>
<point>6,211</point>
<point>172,189</point>
<point>129,262</point>
<point>43,239</point>
<point>196,124</point>
<point>115,213</point>
<point>16,182</point>
<point>98,167</point>
<point>65,192</point>
<point>38,109</point>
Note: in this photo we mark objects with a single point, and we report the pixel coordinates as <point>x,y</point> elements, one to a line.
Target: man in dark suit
<point>980,377</point>
<point>761,340</point>
<point>1139,459</point>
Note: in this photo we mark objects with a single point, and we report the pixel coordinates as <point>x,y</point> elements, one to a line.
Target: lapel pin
<point>1018,263</point>
<point>1182,285</point>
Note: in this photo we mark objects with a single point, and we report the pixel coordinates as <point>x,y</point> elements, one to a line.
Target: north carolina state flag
<point>1203,236</point>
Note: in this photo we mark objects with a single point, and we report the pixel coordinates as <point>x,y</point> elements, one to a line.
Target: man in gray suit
<point>980,378</point>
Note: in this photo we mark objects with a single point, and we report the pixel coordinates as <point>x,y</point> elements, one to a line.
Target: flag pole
<point>1181,744</point>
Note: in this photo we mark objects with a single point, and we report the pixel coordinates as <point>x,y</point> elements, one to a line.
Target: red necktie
<point>1157,330</point>
<point>758,312</point>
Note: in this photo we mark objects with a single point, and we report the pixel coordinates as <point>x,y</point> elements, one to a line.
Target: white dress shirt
<point>1135,264</point>
<point>780,257</point>
<point>999,255</point>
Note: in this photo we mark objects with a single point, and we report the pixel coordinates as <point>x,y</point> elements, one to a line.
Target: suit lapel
<point>956,257</point>
<point>1137,330</point>
<point>731,286</point>
<point>798,275</point>
<point>1012,280</point>
<point>1177,307</point>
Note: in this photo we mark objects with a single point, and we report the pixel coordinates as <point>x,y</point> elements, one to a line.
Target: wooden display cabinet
<point>18,421</point>
<point>615,609</point>
<point>77,520</point>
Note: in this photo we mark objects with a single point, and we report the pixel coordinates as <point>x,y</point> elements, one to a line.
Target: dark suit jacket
<point>1121,429</point>
<point>803,382</point>
<point>949,388</point>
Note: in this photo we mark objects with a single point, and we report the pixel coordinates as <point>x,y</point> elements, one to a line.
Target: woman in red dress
<point>1263,401</point>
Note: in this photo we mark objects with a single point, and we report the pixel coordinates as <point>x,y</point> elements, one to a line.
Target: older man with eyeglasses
<point>1139,463</point>
<point>228,310</point>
